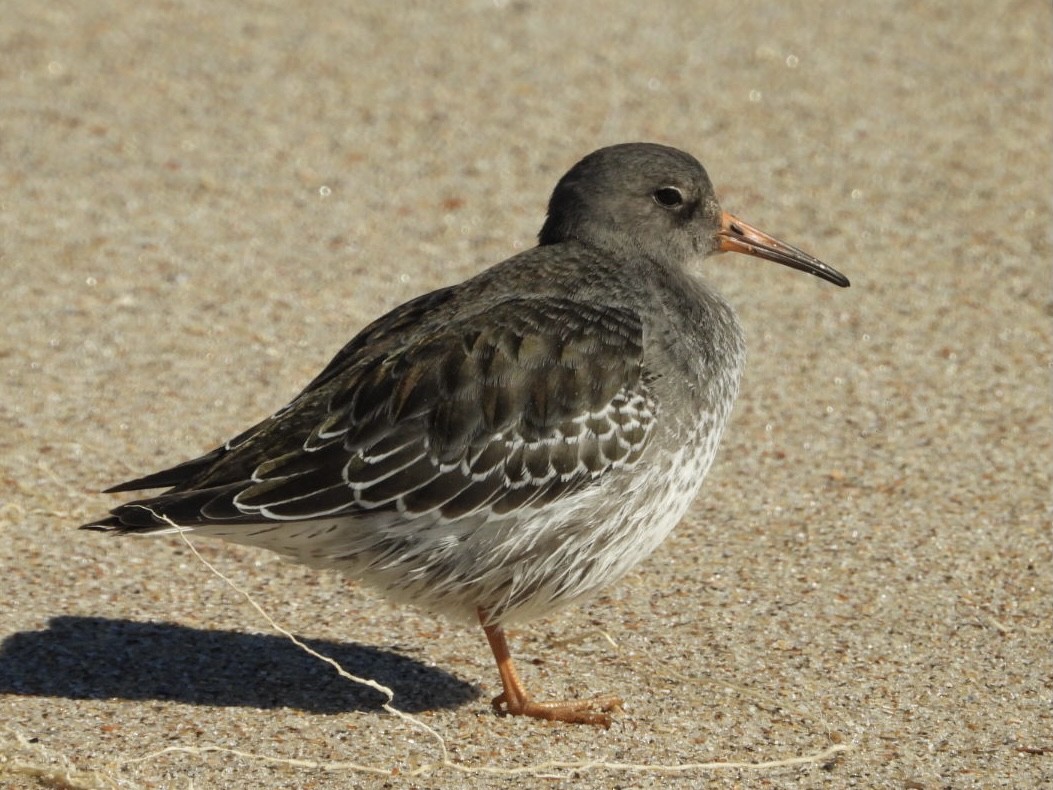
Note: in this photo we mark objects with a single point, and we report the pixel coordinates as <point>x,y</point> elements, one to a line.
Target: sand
<point>201,202</point>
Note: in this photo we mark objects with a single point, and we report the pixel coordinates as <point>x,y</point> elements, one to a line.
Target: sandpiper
<point>510,444</point>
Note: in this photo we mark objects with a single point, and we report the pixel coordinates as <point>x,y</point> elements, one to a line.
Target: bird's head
<point>658,202</point>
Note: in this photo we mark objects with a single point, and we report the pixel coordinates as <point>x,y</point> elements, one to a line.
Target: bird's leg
<point>514,700</point>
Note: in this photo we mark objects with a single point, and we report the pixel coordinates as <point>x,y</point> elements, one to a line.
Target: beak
<point>736,236</point>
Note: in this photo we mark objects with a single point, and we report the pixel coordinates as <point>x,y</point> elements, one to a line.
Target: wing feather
<point>512,407</point>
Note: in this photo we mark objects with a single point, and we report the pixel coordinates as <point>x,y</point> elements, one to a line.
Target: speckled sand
<point>201,201</point>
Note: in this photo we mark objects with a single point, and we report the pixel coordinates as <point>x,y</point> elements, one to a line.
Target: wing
<point>378,335</point>
<point>513,407</point>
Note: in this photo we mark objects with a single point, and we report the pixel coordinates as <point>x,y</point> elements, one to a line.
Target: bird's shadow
<point>99,658</point>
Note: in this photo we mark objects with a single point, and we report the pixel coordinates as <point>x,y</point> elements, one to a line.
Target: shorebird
<point>508,445</point>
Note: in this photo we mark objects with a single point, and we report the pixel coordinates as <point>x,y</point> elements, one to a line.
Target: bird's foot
<point>594,711</point>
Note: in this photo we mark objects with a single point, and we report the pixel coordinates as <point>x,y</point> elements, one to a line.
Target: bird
<point>498,449</point>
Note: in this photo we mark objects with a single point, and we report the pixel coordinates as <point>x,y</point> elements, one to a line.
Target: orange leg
<point>514,700</point>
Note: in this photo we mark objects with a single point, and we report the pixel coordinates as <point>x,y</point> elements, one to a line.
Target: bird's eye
<point>668,197</point>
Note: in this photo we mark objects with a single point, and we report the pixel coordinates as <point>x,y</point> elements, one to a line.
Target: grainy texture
<point>201,202</point>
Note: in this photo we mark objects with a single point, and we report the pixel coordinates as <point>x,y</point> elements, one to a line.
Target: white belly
<point>517,567</point>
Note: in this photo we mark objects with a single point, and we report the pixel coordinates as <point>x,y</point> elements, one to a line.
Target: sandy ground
<point>202,201</point>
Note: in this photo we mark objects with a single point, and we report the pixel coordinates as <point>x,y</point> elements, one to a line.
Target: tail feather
<point>175,508</point>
